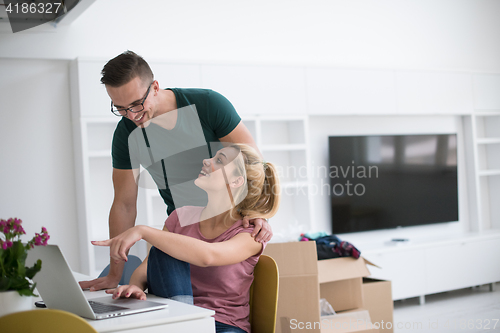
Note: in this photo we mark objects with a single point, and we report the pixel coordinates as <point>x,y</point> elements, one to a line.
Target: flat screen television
<point>389,181</point>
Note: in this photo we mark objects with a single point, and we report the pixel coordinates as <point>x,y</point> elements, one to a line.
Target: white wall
<point>36,150</point>
<point>34,95</point>
<point>417,34</point>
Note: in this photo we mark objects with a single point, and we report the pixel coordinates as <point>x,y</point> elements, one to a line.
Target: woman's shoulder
<point>237,228</point>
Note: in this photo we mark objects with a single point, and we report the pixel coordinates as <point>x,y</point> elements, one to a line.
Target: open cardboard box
<point>377,299</point>
<point>341,281</point>
<point>298,295</point>
<point>303,279</point>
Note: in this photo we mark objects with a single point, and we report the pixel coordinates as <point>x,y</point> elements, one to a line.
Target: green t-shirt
<point>174,157</point>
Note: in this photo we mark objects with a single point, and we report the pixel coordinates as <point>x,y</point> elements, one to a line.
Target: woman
<point>209,263</point>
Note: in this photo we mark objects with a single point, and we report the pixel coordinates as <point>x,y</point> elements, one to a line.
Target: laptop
<point>60,290</point>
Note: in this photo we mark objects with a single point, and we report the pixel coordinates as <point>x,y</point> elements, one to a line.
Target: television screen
<point>389,181</point>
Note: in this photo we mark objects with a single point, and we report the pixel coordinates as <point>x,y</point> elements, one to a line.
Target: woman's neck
<point>214,215</point>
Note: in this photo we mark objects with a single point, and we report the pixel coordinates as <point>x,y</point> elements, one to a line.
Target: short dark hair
<point>125,67</point>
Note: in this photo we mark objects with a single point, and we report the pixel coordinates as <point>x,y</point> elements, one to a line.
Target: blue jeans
<point>171,278</point>
<point>225,328</point>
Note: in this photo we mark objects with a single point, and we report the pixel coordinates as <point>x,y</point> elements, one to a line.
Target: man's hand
<point>119,245</point>
<point>262,231</point>
<point>105,282</point>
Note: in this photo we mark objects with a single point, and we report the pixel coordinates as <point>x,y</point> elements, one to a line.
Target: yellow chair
<point>264,296</point>
<point>44,321</point>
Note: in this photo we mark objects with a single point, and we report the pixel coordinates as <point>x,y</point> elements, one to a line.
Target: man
<point>138,99</point>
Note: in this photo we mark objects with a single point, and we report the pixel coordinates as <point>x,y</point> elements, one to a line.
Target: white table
<point>177,317</point>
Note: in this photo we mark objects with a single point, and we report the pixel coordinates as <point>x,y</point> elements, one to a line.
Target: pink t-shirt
<point>224,289</point>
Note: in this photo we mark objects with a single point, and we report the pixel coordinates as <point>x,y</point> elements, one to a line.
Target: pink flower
<point>41,239</point>
<point>38,239</point>
<point>7,244</point>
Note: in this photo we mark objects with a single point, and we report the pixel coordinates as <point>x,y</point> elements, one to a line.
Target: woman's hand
<point>127,291</point>
<point>262,231</point>
<point>119,245</point>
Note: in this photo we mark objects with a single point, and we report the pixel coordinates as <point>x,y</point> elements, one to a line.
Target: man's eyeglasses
<point>122,112</point>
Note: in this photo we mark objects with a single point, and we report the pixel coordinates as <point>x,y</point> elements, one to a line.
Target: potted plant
<point>16,286</point>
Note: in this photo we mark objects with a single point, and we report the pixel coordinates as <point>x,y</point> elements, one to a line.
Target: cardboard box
<point>378,301</point>
<point>303,279</point>
<point>298,296</point>
<point>357,320</point>
<point>341,282</point>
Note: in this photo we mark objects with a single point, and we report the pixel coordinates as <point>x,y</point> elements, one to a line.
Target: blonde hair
<point>263,196</point>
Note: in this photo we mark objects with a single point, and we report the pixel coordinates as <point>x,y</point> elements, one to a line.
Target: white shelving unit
<point>439,263</point>
<point>484,131</point>
<point>283,140</point>
<point>483,137</point>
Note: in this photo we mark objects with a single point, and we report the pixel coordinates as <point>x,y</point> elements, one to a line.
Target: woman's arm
<point>188,249</point>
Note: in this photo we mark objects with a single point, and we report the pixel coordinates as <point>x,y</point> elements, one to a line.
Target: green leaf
<point>25,292</point>
<point>21,269</point>
<point>18,251</point>
<point>19,283</point>
<point>4,283</point>
<point>31,271</point>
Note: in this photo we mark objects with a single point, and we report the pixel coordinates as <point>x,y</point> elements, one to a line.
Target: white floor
<point>466,310</point>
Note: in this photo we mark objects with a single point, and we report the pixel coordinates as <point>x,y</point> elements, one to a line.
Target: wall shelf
<point>488,141</point>
<point>485,173</point>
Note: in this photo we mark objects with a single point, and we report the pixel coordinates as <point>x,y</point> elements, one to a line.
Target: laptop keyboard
<point>104,308</point>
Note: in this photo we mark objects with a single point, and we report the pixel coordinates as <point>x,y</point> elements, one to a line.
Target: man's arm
<point>121,217</point>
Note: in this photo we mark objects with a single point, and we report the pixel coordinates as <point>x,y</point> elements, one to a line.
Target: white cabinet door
<point>462,265</point>
<point>487,91</point>
<point>176,75</point>
<point>434,93</point>
<point>258,90</point>
<point>93,98</point>
<point>350,92</point>
<point>405,269</point>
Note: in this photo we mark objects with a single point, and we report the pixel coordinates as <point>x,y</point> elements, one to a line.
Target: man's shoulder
<point>203,92</point>
<point>198,93</point>
<point>125,124</point>
<point>124,127</point>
